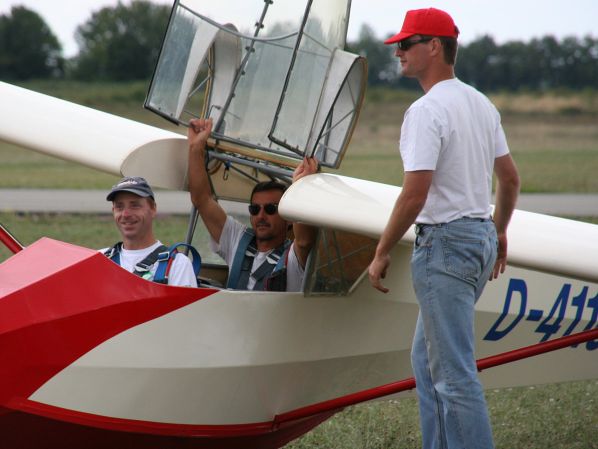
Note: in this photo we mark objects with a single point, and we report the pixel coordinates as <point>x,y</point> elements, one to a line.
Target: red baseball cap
<point>429,22</point>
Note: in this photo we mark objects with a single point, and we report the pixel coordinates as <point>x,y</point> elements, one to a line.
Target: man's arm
<point>305,235</point>
<point>407,207</point>
<point>212,214</point>
<point>507,191</point>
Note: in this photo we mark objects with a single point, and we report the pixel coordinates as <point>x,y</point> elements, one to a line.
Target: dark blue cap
<point>133,184</point>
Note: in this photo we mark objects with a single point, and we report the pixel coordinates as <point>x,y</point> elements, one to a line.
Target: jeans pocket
<point>424,238</point>
<point>463,257</point>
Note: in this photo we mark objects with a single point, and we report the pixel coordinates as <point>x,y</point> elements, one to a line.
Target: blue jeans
<point>450,265</point>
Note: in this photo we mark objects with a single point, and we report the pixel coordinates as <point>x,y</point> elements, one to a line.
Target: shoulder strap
<point>163,255</point>
<point>277,280</point>
<point>165,262</point>
<point>274,262</point>
<point>237,265</point>
<point>143,268</point>
<point>113,253</point>
<point>284,259</point>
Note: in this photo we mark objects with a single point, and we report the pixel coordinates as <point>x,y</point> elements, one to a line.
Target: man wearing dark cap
<point>451,143</point>
<point>134,210</point>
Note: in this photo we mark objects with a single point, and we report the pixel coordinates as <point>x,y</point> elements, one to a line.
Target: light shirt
<point>229,241</point>
<point>181,271</point>
<point>455,131</point>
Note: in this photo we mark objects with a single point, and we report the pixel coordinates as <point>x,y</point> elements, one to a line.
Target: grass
<point>559,171</point>
<point>95,230</point>
<point>555,151</point>
<point>91,231</point>
<point>21,168</point>
<point>563,103</point>
<point>557,416</point>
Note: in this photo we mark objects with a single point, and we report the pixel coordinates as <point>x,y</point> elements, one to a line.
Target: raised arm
<point>212,214</point>
<point>305,235</point>
<point>507,191</point>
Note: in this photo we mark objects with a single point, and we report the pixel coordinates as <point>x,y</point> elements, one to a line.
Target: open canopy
<point>272,75</point>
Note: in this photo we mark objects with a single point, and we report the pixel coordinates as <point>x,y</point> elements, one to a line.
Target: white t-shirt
<point>229,240</point>
<point>181,271</point>
<point>455,131</point>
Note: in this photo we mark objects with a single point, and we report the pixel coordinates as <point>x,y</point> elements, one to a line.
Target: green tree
<point>548,60</point>
<point>518,69</point>
<point>540,64</point>
<point>121,42</point>
<point>383,67</point>
<point>581,62</point>
<point>28,48</point>
<point>478,63</point>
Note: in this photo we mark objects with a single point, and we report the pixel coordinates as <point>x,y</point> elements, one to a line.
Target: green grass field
<point>558,416</point>
<point>554,140</point>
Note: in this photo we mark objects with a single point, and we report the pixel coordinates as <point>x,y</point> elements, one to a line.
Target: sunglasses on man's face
<point>269,208</point>
<point>406,44</point>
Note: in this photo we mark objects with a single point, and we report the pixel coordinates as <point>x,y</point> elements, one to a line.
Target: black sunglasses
<point>269,208</point>
<point>405,44</point>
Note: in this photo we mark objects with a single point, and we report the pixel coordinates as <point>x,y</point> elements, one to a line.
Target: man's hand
<point>377,271</point>
<point>408,205</point>
<point>501,257</point>
<point>198,133</point>
<point>308,166</point>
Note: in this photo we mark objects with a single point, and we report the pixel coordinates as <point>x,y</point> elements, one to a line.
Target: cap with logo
<point>132,184</point>
<point>428,22</point>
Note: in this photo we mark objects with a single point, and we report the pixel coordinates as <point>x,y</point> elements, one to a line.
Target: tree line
<point>123,42</point>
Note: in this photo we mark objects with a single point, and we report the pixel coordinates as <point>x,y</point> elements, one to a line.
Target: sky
<point>504,20</point>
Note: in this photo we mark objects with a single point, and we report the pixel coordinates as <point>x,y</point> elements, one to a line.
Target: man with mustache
<point>259,258</point>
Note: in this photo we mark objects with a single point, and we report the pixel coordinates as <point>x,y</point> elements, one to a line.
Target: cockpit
<point>279,87</point>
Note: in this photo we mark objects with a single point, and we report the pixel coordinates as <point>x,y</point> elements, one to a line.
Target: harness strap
<point>113,253</point>
<point>165,263</point>
<point>163,259</point>
<point>267,268</point>
<point>240,269</point>
<point>161,255</point>
<point>247,264</point>
<point>158,255</point>
<point>277,281</point>
<point>237,265</point>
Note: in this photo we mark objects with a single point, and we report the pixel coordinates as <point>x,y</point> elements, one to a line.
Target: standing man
<point>451,143</point>
<point>260,257</point>
<point>134,209</point>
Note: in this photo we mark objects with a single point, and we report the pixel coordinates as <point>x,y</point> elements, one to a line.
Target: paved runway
<point>173,202</point>
<point>92,201</point>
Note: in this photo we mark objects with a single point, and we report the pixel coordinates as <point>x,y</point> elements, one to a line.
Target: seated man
<point>260,258</point>
<point>134,209</point>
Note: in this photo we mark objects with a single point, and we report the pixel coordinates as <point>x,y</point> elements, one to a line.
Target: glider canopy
<point>278,89</point>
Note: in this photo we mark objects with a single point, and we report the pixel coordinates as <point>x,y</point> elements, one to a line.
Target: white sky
<point>504,20</point>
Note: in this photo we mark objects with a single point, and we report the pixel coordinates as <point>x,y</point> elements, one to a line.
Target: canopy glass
<point>271,74</point>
